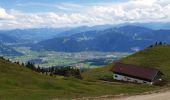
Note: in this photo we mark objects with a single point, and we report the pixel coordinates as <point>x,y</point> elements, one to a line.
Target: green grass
<point>158,57</point>
<point>18,82</point>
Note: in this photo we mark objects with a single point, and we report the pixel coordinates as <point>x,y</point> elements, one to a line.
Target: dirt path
<point>154,96</point>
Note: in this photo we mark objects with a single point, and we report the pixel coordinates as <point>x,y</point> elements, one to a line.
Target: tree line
<point>67,71</point>
<point>158,44</point>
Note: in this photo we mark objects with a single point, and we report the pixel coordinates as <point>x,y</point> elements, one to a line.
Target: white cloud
<point>131,11</point>
<point>4,15</point>
<point>69,7</point>
<point>2,12</point>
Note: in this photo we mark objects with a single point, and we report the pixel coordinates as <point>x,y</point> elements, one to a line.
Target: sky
<point>71,13</point>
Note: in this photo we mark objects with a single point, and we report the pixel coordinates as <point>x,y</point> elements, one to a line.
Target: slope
<point>157,57</point>
<point>18,83</point>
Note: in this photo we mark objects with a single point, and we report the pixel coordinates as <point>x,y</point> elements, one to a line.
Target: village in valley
<point>78,59</point>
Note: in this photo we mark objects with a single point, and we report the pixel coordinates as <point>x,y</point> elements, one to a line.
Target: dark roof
<point>135,71</point>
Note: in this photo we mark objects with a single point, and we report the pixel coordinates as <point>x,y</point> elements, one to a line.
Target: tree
<point>156,43</point>
<point>38,69</point>
<point>160,43</point>
<point>2,58</point>
<point>31,66</point>
<point>22,64</point>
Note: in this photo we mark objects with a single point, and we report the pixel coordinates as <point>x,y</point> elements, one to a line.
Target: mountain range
<point>40,34</point>
<point>8,51</point>
<point>127,38</point>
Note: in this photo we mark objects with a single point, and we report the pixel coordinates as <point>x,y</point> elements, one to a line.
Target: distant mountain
<point>133,29</point>
<point>126,39</point>
<point>151,25</point>
<point>161,35</point>
<point>7,51</point>
<point>34,35</point>
<point>158,25</point>
<point>40,34</point>
<point>6,38</point>
<point>84,29</point>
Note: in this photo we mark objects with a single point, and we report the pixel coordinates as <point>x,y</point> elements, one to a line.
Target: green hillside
<point>20,83</point>
<point>157,57</point>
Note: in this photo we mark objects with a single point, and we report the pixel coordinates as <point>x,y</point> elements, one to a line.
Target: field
<point>78,59</point>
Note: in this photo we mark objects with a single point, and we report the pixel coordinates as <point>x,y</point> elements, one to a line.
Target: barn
<point>136,74</point>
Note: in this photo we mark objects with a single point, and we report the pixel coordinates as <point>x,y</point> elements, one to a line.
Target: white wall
<point>129,79</point>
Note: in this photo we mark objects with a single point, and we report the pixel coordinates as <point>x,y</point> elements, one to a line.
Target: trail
<point>163,95</point>
<point>154,96</point>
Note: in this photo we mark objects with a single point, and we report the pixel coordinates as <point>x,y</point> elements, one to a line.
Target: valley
<point>78,59</point>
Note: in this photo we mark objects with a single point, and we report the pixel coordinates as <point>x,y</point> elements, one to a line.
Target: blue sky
<point>69,13</point>
<point>47,5</point>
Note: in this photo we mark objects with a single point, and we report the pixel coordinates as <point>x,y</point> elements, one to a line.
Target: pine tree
<point>160,43</point>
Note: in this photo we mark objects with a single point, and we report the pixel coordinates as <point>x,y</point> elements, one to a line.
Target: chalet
<point>132,73</point>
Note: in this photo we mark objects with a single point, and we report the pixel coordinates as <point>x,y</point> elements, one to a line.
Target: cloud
<point>4,15</point>
<point>69,6</point>
<point>2,12</point>
<point>135,10</point>
<point>94,14</point>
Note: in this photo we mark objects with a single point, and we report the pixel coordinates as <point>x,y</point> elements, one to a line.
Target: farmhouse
<point>132,73</point>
